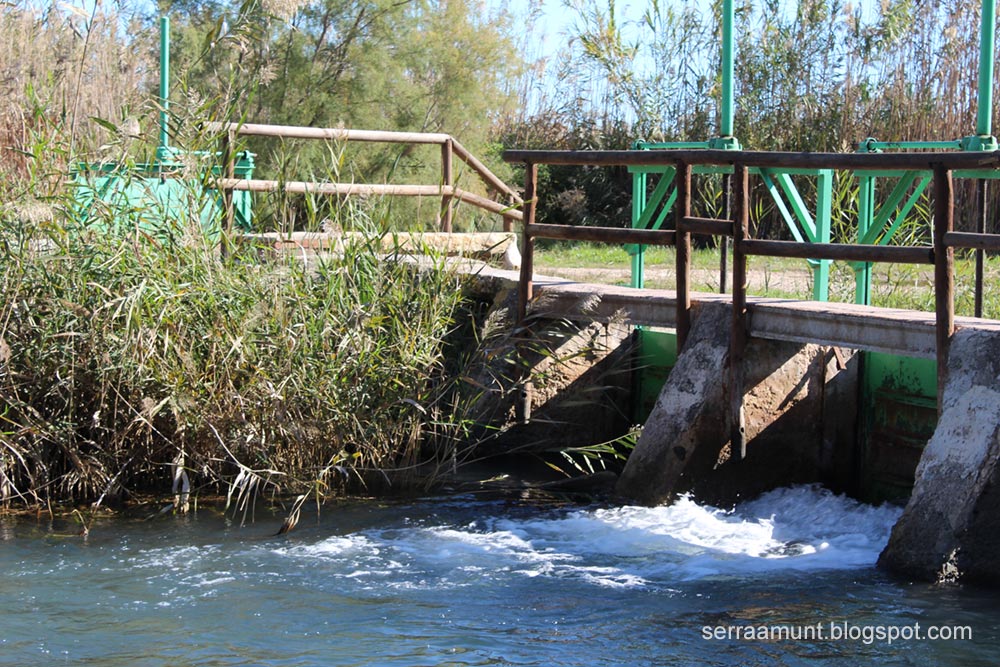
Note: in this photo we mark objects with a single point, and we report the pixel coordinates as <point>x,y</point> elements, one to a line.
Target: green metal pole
<point>824,207</point>
<point>164,80</point>
<point>638,206</point>
<point>987,35</point>
<point>866,215</point>
<point>728,19</point>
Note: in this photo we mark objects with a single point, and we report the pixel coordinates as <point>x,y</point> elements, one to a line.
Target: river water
<point>461,581</point>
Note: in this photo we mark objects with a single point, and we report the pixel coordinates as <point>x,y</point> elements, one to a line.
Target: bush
<point>122,358</point>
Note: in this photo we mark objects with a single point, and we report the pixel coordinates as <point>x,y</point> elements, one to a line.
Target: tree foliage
<point>817,75</point>
<point>416,65</point>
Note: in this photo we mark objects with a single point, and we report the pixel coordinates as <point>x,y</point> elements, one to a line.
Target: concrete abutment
<point>799,417</point>
<point>950,528</point>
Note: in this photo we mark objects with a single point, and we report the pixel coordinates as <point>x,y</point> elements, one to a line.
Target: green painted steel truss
<point>877,222</point>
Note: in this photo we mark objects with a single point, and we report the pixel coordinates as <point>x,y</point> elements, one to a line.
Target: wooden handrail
<point>488,176</point>
<point>327,133</point>
<point>940,255</point>
<point>446,189</point>
<point>760,159</point>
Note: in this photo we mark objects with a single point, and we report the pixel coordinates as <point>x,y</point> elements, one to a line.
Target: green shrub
<point>122,358</point>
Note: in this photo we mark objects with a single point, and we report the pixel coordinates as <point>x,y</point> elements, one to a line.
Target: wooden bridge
<point>896,331</point>
<point>893,331</point>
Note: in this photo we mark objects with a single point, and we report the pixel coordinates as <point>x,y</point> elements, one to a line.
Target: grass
<point>124,360</point>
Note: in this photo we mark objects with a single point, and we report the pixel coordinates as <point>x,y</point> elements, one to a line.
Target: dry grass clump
<point>58,68</point>
<point>124,363</point>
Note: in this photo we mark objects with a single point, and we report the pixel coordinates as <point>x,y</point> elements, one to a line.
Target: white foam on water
<point>798,528</point>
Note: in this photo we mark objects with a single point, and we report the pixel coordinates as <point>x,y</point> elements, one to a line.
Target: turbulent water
<point>467,582</point>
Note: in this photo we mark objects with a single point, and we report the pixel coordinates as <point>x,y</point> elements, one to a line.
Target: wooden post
<point>981,195</point>
<point>727,214</point>
<point>738,339</point>
<point>525,287</point>
<point>944,273</point>
<point>682,210</point>
<point>447,180</point>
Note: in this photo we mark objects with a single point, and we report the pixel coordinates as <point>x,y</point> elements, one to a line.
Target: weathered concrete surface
<point>799,419</point>
<point>689,415</point>
<point>891,330</point>
<point>550,384</point>
<point>800,424</point>
<point>951,525</point>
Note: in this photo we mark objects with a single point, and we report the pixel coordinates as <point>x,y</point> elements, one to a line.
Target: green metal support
<point>824,205</point>
<point>798,206</point>
<point>644,207</point>
<point>637,251</point>
<point>800,221</point>
<point>767,175</point>
<point>164,147</point>
<point>878,232</point>
<point>987,38</point>
<point>866,214</point>
<point>165,155</point>
<point>727,113</point>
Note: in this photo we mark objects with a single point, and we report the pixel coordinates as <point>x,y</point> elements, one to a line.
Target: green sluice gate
<point>897,410</point>
<point>656,354</point>
<point>155,199</point>
<point>898,415</point>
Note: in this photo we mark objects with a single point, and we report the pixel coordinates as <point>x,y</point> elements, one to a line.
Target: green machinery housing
<point>897,406</point>
<point>161,197</point>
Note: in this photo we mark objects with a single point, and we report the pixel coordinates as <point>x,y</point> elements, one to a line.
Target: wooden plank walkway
<point>892,330</point>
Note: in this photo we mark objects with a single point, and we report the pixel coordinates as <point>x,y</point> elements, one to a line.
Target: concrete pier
<point>950,529</point>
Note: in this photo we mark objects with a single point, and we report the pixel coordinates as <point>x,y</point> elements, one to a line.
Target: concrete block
<point>950,528</point>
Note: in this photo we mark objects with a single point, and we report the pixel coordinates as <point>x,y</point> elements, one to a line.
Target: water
<point>467,582</point>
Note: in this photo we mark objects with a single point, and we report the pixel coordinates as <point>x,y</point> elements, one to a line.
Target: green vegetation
<point>816,75</point>
<point>129,358</point>
<point>120,358</point>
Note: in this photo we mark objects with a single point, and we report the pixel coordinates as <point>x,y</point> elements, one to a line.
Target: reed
<point>122,358</point>
<point>137,357</point>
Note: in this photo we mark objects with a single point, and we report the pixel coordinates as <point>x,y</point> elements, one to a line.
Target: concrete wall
<point>550,384</point>
<point>950,528</point>
<point>800,419</point>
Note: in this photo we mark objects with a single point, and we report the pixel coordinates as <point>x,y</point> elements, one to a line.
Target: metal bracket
<point>979,142</point>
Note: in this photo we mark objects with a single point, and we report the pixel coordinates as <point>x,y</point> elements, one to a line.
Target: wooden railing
<point>508,208</point>
<point>940,254</point>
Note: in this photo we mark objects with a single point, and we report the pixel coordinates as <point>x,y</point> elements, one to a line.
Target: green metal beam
<point>779,202</point>
<point>905,211</point>
<point>798,206</point>
<point>863,271</point>
<point>875,146</point>
<point>727,114</point>
<point>164,81</point>
<point>879,219</point>
<point>643,209</point>
<point>652,203</point>
<point>877,231</point>
<point>821,232</point>
<point>636,251</point>
<point>987,38</point>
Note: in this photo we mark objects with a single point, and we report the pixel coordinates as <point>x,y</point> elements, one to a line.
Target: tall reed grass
<point>124,361</point>
<point>140,360</point>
